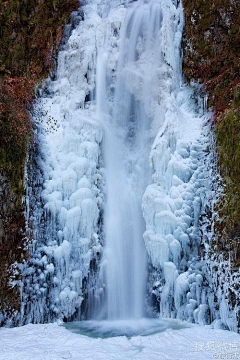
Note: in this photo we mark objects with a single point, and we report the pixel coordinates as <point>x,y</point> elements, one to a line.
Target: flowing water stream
<point>126,152</point>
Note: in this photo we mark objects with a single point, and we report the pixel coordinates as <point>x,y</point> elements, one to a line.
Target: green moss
<point>228,135</point>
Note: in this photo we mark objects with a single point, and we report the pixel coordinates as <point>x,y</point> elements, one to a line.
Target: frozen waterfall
<point>120,187</point>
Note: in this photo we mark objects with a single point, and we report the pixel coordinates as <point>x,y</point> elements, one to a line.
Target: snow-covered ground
<point>54,342</point>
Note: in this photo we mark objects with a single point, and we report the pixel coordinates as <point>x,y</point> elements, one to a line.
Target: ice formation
<point>67,222</point>
<point>121,140</point>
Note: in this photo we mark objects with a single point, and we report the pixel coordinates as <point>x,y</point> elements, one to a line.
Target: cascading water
<point>127,113</point>
<point>126,149</point>
<point>117,102</point>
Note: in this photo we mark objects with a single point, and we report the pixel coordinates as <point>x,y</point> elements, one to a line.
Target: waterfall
<point>119,195</point>
<point>126,149</point>
<point>127,113</point>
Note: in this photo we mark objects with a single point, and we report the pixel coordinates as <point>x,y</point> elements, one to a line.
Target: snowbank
<point>53,342</point>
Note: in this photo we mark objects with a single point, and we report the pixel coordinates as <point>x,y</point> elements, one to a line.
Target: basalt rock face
<point>30,33</point>
<point>210,56</point>
<point>210,43</point>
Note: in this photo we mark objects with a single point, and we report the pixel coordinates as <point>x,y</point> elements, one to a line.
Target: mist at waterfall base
<point>122,181</point>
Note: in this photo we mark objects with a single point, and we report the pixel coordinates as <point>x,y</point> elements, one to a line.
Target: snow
<point>54,342</point>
